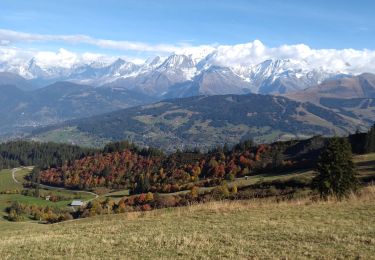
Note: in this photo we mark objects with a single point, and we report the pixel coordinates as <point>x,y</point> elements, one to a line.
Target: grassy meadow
<point>259,228</point>
<point>7,183</point>
<point>237,229</point>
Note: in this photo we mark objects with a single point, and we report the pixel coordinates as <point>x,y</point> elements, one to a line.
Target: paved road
<point>78,191</point>
<point>14,177</point>
<point>14,170</point>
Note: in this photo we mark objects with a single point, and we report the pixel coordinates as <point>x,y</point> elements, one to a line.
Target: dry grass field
<point>259,228</point>
<point>238,229</point>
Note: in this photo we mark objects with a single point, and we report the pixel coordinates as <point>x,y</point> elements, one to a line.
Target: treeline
<point>19,212</point>
<point>363,142</point>
<point>148,173</point>
<point>45,155</point>
<point>370,140</point>
<point>123,165</point>
<point>278,189</point>
<point>52,155</point>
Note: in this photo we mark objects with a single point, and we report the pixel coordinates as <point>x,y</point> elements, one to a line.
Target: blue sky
<point>319,24</point>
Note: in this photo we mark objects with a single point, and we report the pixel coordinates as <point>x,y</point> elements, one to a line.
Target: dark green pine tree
<point>336,170</point>
<point>35,179</point>
<point>142,184</point>
<point>370,140</point>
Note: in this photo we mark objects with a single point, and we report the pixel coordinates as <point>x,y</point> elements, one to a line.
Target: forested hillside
<point>139,172</point>
<point>123,165</point>
<point>45,155</point>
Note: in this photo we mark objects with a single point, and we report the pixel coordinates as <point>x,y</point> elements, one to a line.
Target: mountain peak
<point>178,61</point>
<point>153,61</point>
<point>32,62</point>
<point>118,62</point>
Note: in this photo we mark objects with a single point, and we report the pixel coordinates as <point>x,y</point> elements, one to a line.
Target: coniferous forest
<point>45,155</point>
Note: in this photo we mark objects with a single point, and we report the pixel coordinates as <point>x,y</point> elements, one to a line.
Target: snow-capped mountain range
<point>181,75</point>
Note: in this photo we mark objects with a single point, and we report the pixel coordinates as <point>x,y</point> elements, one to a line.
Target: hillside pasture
<point>237,229</point>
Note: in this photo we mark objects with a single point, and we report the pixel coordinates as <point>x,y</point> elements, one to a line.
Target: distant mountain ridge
<point>182,75</point>
<point>100,87</point>
<point>206,121</point>
<point>7,78</point>
<point>59,102</point>
<point>361,86</point>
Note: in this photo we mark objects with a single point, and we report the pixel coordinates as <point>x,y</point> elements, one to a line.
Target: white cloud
<point>251,53</point>
<point>9,36</point>
<point>345,60</point>
<point>13,56</point>
<point>243,54</point>
<point>63,57</point>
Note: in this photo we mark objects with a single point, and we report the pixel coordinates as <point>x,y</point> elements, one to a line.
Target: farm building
<point>76,203</point>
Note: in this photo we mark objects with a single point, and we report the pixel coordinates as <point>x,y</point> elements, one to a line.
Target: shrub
<point>234,189</point>
<point>194,192</point>
<point>229,177</point>
<point>165,201</point>
<point>146,207</point>
<point>149,196</point>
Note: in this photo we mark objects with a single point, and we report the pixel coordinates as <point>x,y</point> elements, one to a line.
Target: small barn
<point>76,203</point>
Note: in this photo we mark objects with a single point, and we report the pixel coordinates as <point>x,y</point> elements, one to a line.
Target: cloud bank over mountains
<point>345,60</point>
<point>247,54</point>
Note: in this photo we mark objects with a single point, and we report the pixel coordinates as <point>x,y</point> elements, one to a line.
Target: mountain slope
<point>206,121</point>
<point>156,80</point>
<point>350,96</point>
<point>360,108</point>
<point>59,102</point>
<point>282,76</point>
<point>7,78</point>
<point>361,86</point>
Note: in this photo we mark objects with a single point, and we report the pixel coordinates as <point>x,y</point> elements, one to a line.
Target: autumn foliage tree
<point>147,170</point>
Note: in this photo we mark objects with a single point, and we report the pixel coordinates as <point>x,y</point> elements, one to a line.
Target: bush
<point>194,192</point>
<point>149,197</point>
<point>229,177</point>
<point>234,189</point>
<point>165,201</point>
<point>221,191</point>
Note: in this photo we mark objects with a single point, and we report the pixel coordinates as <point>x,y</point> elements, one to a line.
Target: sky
<point>143,28</point>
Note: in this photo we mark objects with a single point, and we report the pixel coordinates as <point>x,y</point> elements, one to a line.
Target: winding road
<point>14,177</point>
<point>14,170</point>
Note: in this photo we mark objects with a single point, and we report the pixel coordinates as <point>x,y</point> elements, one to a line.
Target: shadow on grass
<point>369,165</point>
<point>282,173</point>
<point>115,196</point>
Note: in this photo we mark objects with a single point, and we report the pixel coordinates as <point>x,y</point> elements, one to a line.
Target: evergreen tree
<point>370,140</point>
<point>336,170</point>
<point>35,179</point>
<point>143,184</point>
<point>277,158</point>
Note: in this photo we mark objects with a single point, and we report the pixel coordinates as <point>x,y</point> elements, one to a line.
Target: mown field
<point>239,229</point>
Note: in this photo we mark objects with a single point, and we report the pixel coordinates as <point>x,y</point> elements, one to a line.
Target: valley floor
<point>238,229</point>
